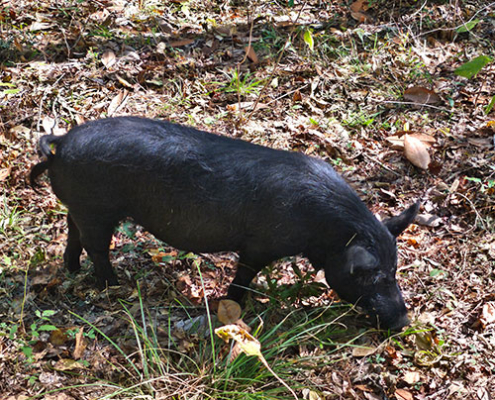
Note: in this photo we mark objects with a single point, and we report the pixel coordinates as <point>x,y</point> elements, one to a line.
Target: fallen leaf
<point>412,377</point>
<point>309,394</point>
<point>364,388</point>
<point>80,119</point>
<point>358,6</point>
<point>488,314</point>
<point>124,82</point>
<point>251,54</point>
<point>297,96</point>
<point>58,337</point>
<point>226,30</point>
<point>108,58</point>
<point>80,344</point>
<point>48,124</point>
<point>39,26</point>
<point>427,219</point>
<point>248,343</point>
<point>486,143</point>
<point>397,141</point>
<point>116,102</point>
<point>363,351</point>
<point>416,152</point>
<point>483,394</point>
<point>181,43</point>
<point>229,311</point>
<point>360,17</point>
<point>66,364</point>
<point>4,173</point>
<point>403,394</point>
<point>421,95</point>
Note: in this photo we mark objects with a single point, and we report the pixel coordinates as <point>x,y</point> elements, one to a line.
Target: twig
<point>243,60</point>
<point>478,216</point>
<point>459,26</point>
<point>380,164</point>
<point>480,89</point>
<point>277,62</point>
<point>43,100</point>
<point>288,93</point>
<point>410,103</point>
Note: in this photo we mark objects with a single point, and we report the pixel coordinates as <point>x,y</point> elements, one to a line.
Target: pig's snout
<point>389,309</point>
<point>398,323</point>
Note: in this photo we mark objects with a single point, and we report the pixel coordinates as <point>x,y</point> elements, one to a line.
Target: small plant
<point>242,86</point>
<point>10,218</point>
<point>42,325</point>
<point>486,186</point>
<point>471,69</point>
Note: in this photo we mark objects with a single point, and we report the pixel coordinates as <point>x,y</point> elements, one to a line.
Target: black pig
<point>202,192</point>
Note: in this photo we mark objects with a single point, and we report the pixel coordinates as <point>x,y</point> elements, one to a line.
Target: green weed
<point>246,85</point>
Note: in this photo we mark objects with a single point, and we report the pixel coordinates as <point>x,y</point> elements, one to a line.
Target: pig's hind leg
<point>74,248</point>
<point>95,234</point>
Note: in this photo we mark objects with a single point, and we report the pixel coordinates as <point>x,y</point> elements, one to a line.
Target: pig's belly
<point>196,235</point>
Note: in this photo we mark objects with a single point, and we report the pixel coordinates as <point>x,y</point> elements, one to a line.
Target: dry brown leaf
<point>416,152</point>
<point>226,30</point>
<point>58,337</point>
<point>421,95</point>
<point>363,351</point>
<point>116,102</point>
<point>364,388</point>
<point>80,119</point>
<point>481,142</point>
<point>181,43</point>
<point>360,16</point>
<point>309,394</point>
<point>403,394</point>
<point>488,314</point>
<point>108,58</point>
<point>124,82</point>
<point>427,219</point>
<point>40,26</point>
<point>51,127</point>
<point>48,124</point>
<point>66,364</point>
<point>229,311</point>
<point>412,377</point>
<point>251,54</point>
<point>4,173</point>
<point>397,141</point>
<point>297,96</point>
<point>359,5</point>
<point>80,344</point>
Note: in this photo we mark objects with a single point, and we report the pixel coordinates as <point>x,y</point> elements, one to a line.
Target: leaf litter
<point>339,100</point>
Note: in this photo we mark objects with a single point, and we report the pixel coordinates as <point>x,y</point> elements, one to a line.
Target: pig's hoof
<point>72,266</point>
<point>103,283</point>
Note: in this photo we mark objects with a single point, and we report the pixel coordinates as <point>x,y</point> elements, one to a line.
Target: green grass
<point>207,369</point>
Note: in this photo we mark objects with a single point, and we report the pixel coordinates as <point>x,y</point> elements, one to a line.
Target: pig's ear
<point>397,225</point>
<point>358,259</point>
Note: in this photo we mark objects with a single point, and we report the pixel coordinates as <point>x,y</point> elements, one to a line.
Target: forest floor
<point>340,81</point>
